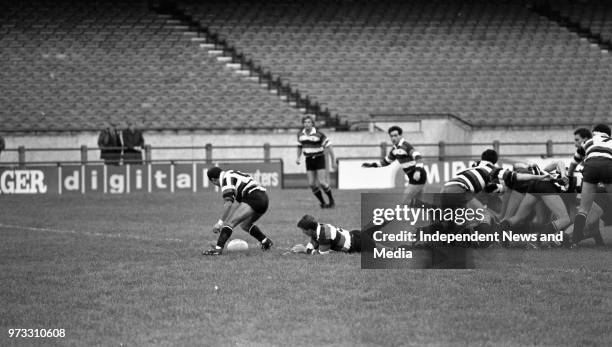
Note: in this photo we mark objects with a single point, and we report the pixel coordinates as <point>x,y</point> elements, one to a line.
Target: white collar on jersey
<point>597,133</point>
<point>401,141</point>
<point>485,163</point>
<point>312,131</point>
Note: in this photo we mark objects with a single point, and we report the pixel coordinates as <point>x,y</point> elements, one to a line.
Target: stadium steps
<point>118,64</point>
<point>466,58</point>
<point>574,26</point>
<point>232,58</point>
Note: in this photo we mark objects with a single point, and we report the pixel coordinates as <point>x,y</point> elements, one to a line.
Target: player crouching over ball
<point>252,204</point>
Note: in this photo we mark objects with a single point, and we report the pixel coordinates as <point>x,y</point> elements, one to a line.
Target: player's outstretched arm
<point>299,248</point>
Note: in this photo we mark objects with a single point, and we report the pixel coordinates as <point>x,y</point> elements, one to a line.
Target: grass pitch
<point>128,271</point>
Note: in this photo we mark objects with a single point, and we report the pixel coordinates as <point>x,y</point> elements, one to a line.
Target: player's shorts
<point>355,241</point>
<point>410,173</point>
<point>543,188</point>
<point>597,170</point>
<point>258,200</point>
<point>316,162</point>
<point>453,196</point>
<point>520,187</point>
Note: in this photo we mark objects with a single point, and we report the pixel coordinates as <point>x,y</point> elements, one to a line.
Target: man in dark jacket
<point>133,142</point>
<point>2,144</point>
<point>110,145</point>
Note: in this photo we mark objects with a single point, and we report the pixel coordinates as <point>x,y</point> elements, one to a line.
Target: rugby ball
<point>237,245</point>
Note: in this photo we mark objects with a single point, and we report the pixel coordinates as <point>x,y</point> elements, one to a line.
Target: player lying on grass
<point>326,237</point>
<point>252,204</point>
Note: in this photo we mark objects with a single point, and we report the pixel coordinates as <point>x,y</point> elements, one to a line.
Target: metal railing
<point>441,150</point>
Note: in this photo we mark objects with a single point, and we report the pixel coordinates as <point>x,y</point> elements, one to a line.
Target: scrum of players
<point>532,199</point>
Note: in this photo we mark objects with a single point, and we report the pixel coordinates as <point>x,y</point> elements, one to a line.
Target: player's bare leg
<point>556,205</point>
<point>524,209</point>
<point>586,201</point>
<point>241,213</point>
<point>323,181</point>
<point>246,216</point>
<point>313,182</point>
<point>249,226</point>
<point>513,202</point>
<point>592,224</point>
<point>412,191</point>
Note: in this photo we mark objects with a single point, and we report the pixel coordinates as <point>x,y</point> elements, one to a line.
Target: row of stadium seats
<point>595,15</point>
<point>349,58</point>
<point>72,65</point>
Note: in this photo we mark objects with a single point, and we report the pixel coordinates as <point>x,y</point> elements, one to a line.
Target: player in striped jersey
<point>548,193</point>
<point>315,145</point>
<point>252,204</point>
<point>410,160</point>
<point>595,214</point>
<point>486,177</point>
<point>596,156</point>
<point>327,237</point>
<point>515,192</point>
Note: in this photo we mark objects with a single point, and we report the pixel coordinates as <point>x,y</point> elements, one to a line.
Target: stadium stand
<point>596,16</point>
<point>71,65</point>
<point>491,63</point>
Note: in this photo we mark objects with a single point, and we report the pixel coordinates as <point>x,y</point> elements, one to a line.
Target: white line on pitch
<point>60,231</point>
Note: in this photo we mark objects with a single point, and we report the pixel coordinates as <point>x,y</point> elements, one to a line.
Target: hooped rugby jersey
<point>600,145</point>
<point>313,143</point>
<point>474,179</point>
<point>405,155</point>
<point>235,185</point>
<point>575,183</point>
<point>556,176</point>
<point>336,238</point>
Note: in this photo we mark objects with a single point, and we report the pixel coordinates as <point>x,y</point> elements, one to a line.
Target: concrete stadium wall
<point>426,131</point>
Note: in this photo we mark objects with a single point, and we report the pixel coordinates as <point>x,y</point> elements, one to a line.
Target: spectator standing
<point>134,143</point>
<point>109,142</point>
<point>2,144</point>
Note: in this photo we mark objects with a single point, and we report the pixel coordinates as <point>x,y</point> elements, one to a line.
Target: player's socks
<point>595,233</point>
<point>548,228</point>
<point>579,223</point>
<point>224,235</point>
<point>256,233</point>
<point>317,192</point>
<point>328,192</point>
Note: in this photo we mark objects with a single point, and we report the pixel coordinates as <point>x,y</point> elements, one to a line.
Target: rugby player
<point>596,156</point>
<point>595,214</point>
<point>315,145</point>
<point>515,192</point>
<point>327,237</point>
<point>252,200</point>
<point>410,160</point>
<point>485,176</point>
<point>575,187</point>
<point>547,192</point>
